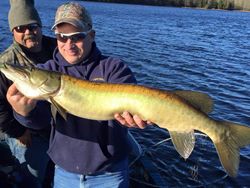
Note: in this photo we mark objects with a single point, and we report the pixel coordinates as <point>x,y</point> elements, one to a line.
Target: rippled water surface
<point>176,48</point>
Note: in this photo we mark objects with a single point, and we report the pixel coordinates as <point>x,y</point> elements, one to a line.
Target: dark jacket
<point>18,55</point>
<point>80,145</point>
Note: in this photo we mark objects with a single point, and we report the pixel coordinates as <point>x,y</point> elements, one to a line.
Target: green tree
<point>221,4</point>
<point>212,4</point>
<point>230,5</point>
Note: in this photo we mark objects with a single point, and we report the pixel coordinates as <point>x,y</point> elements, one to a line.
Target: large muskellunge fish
<point>180,112</point>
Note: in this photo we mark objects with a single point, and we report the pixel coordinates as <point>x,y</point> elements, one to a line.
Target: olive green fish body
<point>100,101</point>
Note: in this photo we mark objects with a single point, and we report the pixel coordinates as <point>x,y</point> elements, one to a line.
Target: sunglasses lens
<point>23,28</point>
<point>78,37</point>
<point>20,29</point>
<point>61,37</point>
<point>74,38</point>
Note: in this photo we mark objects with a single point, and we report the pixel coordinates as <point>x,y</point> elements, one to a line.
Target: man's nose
<point>27,31</point>
<point>69,41</point>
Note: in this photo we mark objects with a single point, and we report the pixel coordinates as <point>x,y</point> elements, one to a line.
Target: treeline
<point>208,4</point>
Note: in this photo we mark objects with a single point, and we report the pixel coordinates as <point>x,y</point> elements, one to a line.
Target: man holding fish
<point>93,149</point>
<point>91,152</point>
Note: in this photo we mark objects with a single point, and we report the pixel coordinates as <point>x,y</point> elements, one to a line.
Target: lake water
<point>176,48</point>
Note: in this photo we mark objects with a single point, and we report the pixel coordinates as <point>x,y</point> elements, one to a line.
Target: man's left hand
<point>129,120</point>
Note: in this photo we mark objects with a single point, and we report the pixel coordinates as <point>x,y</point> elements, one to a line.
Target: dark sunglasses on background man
<point>23,28</point>
<point>74,37</point>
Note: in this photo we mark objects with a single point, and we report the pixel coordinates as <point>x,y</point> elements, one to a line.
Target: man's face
<point>29,36</point>
<point>73,44</point>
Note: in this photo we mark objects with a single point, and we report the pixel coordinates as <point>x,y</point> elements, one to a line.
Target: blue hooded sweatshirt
<point>80,145</point>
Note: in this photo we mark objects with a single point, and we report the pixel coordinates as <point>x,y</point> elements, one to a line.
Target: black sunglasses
<point>74,37</point>
<point>23,28</point>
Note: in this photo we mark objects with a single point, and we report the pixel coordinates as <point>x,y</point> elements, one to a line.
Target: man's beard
<point>30,42</point>
<point>29,37</point>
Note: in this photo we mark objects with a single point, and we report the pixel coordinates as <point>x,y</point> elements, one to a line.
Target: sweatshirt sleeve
<point>38,119</point>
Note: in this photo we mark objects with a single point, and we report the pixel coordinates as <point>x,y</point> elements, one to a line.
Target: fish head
<point>33,82</point>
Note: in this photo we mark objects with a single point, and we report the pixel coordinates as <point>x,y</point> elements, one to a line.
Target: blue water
<point>176,48</point>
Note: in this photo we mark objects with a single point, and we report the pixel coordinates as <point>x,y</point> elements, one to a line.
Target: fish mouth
<point>23,73</point>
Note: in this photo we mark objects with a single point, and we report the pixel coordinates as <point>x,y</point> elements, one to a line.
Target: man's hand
<point>21,104</point>
<point>25,139</point>
<point>128,120</point>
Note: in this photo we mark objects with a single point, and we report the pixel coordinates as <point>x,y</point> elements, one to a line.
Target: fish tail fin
<point>229,145</point>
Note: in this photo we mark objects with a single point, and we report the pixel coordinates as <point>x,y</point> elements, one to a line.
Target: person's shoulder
<point>8,54</point>
<point>111,61</point>
<point>117,71</point>
<point>10,49</point>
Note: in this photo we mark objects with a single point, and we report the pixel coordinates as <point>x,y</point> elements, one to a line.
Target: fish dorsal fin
<point>183,142</point>
<point>201,101</point>
<point>55,107</point>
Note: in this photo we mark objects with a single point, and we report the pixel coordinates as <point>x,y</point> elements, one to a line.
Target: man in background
<point>29,48</point>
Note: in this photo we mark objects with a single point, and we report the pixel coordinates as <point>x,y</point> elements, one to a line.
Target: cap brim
<point>71,21</point>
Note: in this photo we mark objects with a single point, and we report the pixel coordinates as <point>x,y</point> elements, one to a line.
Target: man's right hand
<point>21,104</point>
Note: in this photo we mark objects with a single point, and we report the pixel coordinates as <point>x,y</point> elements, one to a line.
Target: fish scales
<point>101,101</point>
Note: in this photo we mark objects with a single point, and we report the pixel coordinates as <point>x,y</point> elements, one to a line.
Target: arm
<point>29,112</point>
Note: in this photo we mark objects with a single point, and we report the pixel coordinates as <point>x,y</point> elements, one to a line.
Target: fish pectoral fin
<point>55,107</point>
<point>183,142</point>
<point>199,100</point>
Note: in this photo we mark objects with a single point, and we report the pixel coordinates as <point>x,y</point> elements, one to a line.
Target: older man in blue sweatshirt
<point>86,152</point>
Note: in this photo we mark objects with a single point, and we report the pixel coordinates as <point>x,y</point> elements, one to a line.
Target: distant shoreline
<point>231,5</point>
